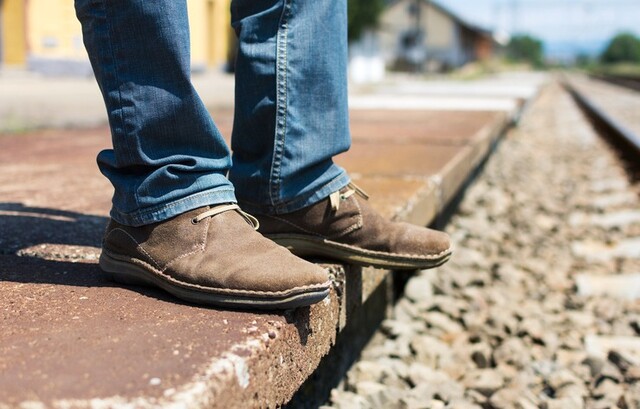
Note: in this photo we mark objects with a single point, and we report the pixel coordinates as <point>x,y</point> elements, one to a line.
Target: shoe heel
<point>123,272</point>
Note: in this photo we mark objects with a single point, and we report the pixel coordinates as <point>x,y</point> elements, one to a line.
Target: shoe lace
<point>225,208</point>
<point>336,197</point>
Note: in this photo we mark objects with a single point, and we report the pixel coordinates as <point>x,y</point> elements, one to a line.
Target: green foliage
<point>584,60</point>
<point>624,47</point>
<point>363,14</point>
<point>525,48</point>
<point>623,69</point>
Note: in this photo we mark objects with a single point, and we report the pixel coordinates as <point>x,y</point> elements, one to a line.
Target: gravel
<point>502,325</point>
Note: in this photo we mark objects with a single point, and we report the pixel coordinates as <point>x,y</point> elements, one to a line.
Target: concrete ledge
<point>72,339</point>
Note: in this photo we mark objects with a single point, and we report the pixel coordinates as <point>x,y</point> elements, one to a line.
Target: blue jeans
<point>291,113</point>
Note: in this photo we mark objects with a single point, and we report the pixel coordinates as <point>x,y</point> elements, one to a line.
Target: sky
<point>564,25</point>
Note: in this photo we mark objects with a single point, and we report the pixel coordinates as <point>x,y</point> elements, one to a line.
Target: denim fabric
<point>291,112</point>
<point>168,155</point>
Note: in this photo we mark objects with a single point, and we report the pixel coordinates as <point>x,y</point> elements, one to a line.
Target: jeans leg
<point>291,114</point>
<point>168,157</point>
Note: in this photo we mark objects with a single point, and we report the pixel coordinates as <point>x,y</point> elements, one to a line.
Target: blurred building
<point>422,35</point>
<point>45,36</point>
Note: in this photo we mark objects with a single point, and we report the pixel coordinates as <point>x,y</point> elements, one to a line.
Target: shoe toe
<point>299,273</point>
<point>422,241</point>
<point>439,242</point>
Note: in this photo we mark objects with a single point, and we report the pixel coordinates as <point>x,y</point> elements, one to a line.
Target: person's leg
<point>291,113</point>
<point>168,166</point>
<point>291,119</point>
<point>168,155</point>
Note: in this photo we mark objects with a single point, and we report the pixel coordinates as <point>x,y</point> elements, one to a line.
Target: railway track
<point>627,81</point>
<point>623,131</point>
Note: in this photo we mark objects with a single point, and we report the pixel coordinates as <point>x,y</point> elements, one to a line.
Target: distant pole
<point>416,35</point>
<point>424,34</point>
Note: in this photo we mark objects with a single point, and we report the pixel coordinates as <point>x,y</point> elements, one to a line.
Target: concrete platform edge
<point>375,302</point>
<point>298,363</point>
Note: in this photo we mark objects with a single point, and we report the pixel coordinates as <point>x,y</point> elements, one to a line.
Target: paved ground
<point>69,337</point>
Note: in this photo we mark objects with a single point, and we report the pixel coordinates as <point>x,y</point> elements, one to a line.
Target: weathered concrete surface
<point>71,338</point>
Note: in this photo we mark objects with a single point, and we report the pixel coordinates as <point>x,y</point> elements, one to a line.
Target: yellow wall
<point>198,31</point>
<point>210,31</point>
<point>53,31</point>
<point>14,42</point>
<point>220,32</point>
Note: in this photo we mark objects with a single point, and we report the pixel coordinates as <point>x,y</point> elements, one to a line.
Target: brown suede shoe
<point>212,255</point>
<point>345,227</point>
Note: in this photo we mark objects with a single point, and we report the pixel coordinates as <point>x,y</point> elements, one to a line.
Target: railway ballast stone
<point>503,325</point>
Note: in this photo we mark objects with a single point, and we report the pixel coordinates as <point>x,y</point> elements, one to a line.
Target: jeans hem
<point>300,202</point>
<point>175,208</point>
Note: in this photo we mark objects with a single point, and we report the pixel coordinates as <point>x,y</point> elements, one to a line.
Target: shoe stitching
<point>325,285</point>
<point>349,229</point>
<point>156,269</point>
<point>357,225</point>
<point>138,246</point>
<point>353,227</point>
<point>200,248</point>
<point>374,252</point>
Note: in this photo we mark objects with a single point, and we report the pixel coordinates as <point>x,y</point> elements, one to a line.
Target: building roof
<point>436,4</point>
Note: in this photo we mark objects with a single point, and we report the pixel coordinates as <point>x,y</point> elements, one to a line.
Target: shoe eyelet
<point>194,220</point>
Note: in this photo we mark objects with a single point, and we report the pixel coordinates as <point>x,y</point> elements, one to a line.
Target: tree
<point>525,48</point>
<point>363,14</point>
<point>624,47</point>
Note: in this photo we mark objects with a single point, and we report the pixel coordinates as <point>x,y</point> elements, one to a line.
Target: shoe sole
<point>305,246</point>
<point>126,272</point>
